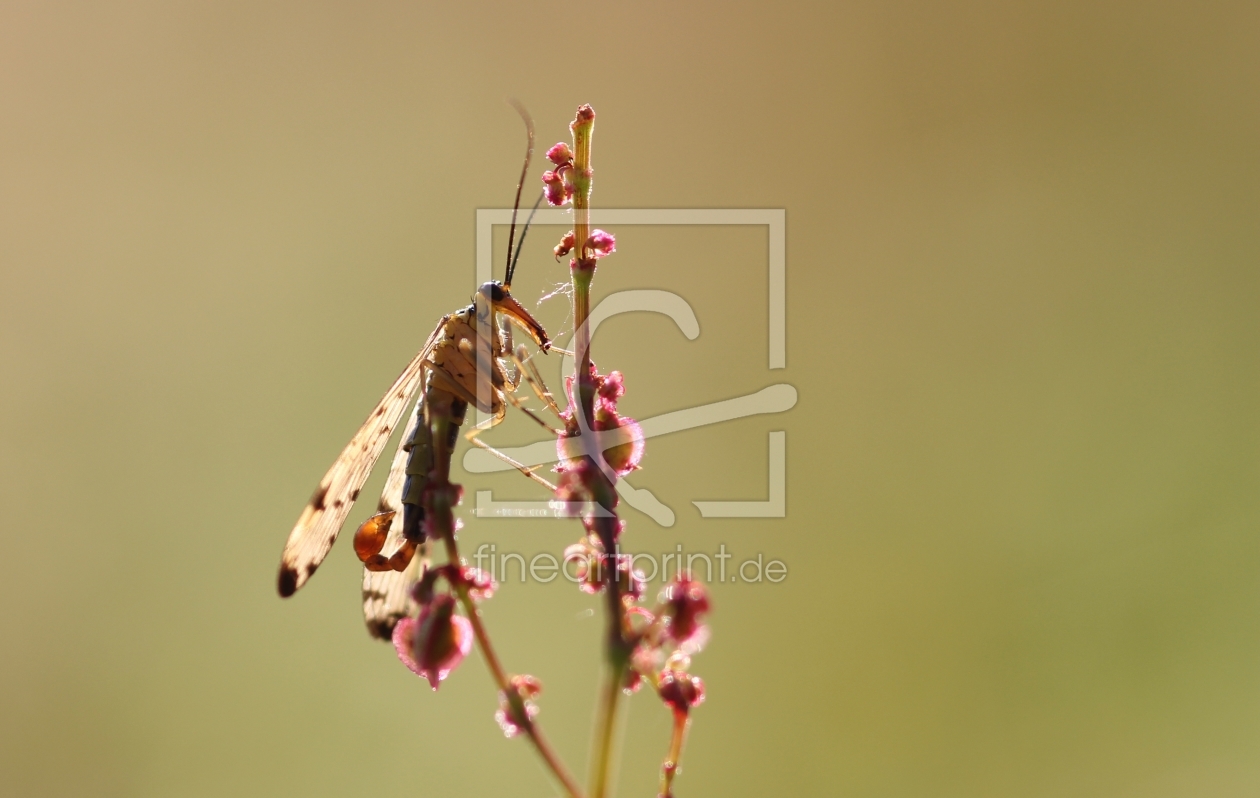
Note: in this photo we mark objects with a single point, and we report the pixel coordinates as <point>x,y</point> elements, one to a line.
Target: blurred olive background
<point>1022,473</point>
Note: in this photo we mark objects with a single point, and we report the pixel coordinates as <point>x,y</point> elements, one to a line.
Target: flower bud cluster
<point>589,562</point>
<point>558,182</point>
<point>684,601</point>
<point>597,245</point>
<point>433,643</point>
<point>618,439</point>
<point>664,639</point>
<point>680,690</point>
<point>516,704</point>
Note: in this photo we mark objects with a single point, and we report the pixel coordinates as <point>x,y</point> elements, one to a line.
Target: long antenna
<point>528,221</point>
<point>529,153</point>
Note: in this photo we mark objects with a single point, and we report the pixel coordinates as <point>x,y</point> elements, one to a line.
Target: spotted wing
<point>321,521</point>
<point>387,594</point>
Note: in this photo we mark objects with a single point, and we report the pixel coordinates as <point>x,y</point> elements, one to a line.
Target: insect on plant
<point>469,360</point>
<point>461,363</point>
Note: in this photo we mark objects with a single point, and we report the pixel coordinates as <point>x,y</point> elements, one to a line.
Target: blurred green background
<point>1022,473</point>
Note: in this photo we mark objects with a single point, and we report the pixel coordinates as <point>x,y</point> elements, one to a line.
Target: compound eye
<point>496,291</point>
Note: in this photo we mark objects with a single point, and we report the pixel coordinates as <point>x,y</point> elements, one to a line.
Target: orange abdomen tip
<point>369,539</point>
<point>400,559</point>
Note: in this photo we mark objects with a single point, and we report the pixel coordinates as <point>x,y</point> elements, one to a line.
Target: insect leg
<point>526,368</point>
<point>477,429</point>
<point>519,406</point>
<point>524,469</point>
<point>513,375</point>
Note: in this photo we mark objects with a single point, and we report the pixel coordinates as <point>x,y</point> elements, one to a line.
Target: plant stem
<point>583,127</point>
<point>606,725</point>
<point>585,392</point>
<point>500,677</point>
<point>440,502</point>
<point>603,494</point>
<point>583,268</point>
<point>617,647</point>
<point>669,768</point>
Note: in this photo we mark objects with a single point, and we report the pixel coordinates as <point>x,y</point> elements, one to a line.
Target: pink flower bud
<point>612,387</point>
<point>560,154</point>
<point>588,565</point>
<point>433,644</point>
<point>621,439</point>
<point>555,189</point>
<point>593,578</point>
<point>565,246</point>
<point>517,708</point>
<point>632,581</point>
<point>422,591</point>
<point>571,487</point>
<point>685,601</point>
<point>601,243</point>
<point>632,681</point>
<point>680,690</point>
<point>480,585</point>
<point>639,618</point>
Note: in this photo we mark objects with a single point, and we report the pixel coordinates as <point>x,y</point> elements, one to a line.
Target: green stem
<point>669,768</point>
<point>603,493</point>
<point>583,269</point>
<point>585,392</point>
<point>606,725</point>
<point>583,128</point>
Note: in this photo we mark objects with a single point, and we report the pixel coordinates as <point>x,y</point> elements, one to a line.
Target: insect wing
<point>321,521</point>
<point>387,594</point>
